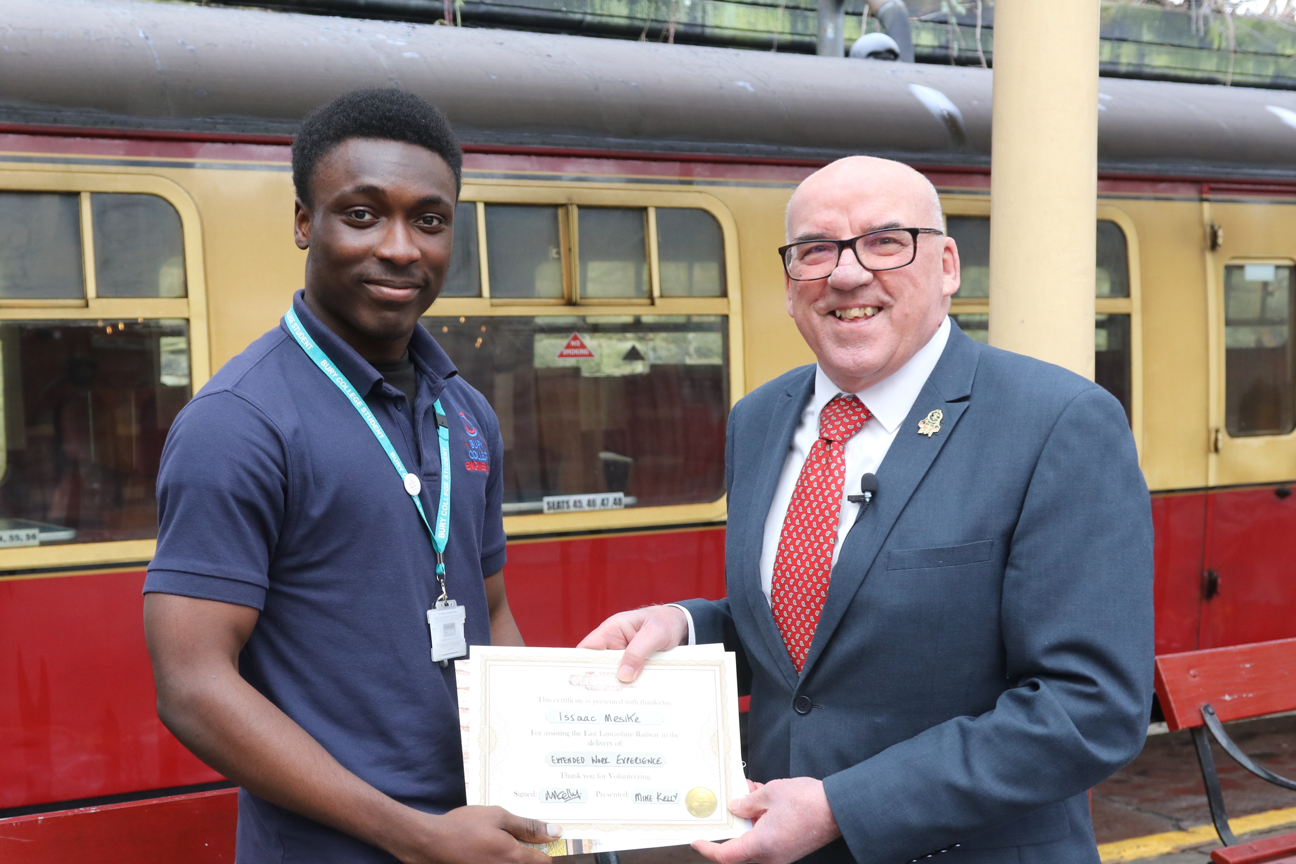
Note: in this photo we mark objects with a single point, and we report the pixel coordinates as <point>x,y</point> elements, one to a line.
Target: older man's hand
<point>792,819</point>
<point>641,632</point>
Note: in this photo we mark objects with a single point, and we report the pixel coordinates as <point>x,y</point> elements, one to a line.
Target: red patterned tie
<point>805,548</point>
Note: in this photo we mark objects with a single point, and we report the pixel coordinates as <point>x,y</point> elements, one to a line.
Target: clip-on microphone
<point>868,488</point>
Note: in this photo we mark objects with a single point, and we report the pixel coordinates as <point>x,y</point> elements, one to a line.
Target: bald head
<point>865,174</point>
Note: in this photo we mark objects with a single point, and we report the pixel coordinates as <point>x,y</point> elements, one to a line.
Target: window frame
<point>1224,262</point>
<point>191,308</point>
<point>1240,226</point>
<point>728,306</point>
<point>979,205</point>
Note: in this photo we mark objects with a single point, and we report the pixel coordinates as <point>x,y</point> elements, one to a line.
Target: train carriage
<point>615,289</point>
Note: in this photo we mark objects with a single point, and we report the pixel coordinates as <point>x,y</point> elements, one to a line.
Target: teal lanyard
<point>413,487</point>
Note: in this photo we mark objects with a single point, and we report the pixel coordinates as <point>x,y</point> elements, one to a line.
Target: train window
<point>690,247</point>
<point>1112,268</point>
<point>1258,355</point>
<point>600,336</point>
<point>1113,339</point>
<point>139,250</point>
<point>40,246</point>
<point>972,234</point>
<point>524,252</point>
<point>601,403</point>
<point>1113,349</point>
<point>589,254</point>
<point>87,405</point>
<point>1113,358</point>
<point>613,253</point>
<point>1112,354</point>
<point>95,357</point>
<point>464,276</point>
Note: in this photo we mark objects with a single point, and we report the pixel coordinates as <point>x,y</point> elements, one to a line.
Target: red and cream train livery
<point>615,289</point>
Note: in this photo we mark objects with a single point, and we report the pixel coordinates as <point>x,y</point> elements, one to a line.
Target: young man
<point>287,608</point>
<point>950,666</point>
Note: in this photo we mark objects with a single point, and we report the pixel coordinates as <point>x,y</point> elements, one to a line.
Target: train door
<point>1249,578</point>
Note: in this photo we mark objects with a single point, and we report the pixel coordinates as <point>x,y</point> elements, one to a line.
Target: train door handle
<point>1210,584</point>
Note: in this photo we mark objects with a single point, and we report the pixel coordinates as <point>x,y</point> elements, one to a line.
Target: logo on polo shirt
<point>478,458</point>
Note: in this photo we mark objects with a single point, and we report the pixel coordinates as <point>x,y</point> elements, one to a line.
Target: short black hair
<point>384,113</point>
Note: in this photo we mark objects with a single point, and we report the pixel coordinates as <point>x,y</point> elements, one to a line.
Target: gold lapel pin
<point>930,424</point>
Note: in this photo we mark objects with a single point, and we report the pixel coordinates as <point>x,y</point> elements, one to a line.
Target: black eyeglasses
<point>888,249</point>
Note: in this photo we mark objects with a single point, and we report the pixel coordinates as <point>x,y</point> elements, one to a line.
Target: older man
<point>948,664</point>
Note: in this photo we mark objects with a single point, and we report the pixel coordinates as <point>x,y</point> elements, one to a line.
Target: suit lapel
<point>907,461</point>
<point>778,439</point>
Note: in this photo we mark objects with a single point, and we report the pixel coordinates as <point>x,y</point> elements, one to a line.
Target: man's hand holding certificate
<point>554,735</point>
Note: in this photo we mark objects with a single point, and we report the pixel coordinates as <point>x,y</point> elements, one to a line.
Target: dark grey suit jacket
<point>985,652</point>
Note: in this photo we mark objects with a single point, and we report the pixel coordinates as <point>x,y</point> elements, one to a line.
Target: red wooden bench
<point>1203,690</point>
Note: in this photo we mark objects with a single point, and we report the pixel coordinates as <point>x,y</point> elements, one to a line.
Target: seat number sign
<point>19,537</point>
<point>584,503</point>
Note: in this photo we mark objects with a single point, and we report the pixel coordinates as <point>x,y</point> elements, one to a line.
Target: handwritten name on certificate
<point>551,734</point>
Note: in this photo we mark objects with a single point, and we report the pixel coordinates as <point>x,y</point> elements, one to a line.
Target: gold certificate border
<point>726,675</point>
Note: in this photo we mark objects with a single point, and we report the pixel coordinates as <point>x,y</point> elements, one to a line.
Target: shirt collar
<point>424,351</point>
<point>891,399</point>
<point>430,358</point>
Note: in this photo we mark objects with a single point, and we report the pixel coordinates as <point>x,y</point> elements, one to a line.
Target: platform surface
<point>1154,810</point>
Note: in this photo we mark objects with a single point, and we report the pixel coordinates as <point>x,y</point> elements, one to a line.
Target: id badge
<point>446,624</point>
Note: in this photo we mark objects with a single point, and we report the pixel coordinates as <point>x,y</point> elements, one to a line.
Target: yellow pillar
<point>1043,180</point>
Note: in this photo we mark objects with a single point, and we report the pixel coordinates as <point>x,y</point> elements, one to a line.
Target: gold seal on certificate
<point>552,734</point>
<point>701,802</point>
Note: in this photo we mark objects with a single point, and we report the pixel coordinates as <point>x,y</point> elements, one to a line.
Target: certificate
<point>552,734</point>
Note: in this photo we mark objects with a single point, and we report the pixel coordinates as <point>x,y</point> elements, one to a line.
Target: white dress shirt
<point>890,402</point>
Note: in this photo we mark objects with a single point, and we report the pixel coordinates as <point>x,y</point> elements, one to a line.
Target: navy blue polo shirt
<point>274,494</point>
